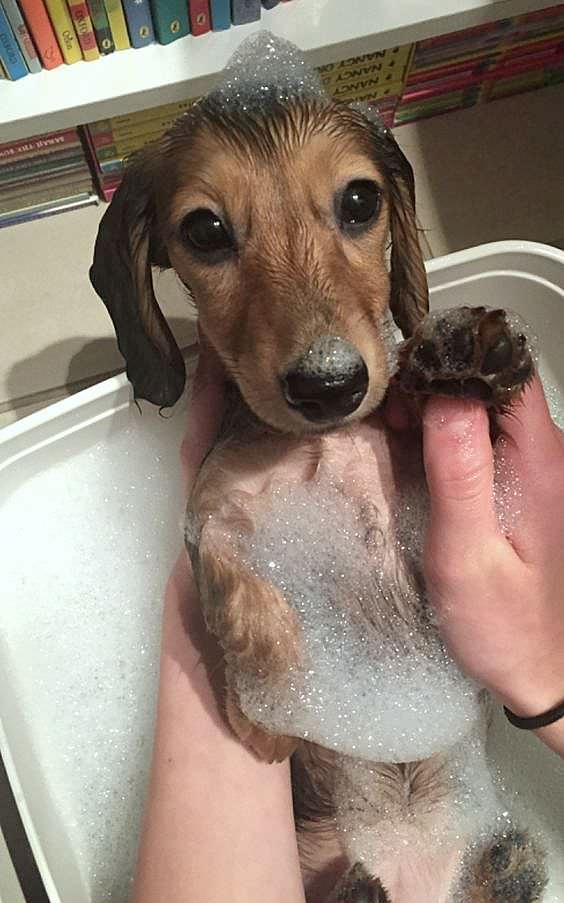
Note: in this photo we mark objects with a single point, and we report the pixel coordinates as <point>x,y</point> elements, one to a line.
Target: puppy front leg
<point>258,632</point>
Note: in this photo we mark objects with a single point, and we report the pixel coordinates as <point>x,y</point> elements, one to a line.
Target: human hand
<point>498,589</point>
<point>218,823</point>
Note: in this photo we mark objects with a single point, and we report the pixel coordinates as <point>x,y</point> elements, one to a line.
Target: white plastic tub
<point>90,511</point>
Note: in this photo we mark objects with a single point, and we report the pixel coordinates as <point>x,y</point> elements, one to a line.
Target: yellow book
<point>84,30</point>
<point>116,18</point>
<point>64,30</point>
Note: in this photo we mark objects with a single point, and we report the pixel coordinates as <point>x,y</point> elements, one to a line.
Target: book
<point>116,18</point>
<point>243,11</point>
<point>199,16</point>
<point>139,22</point>
<point>84,29</point>
<point>136,120</point>
<point>101,26</point>
<point>11,56</point>
<point>19,173</point>
<point>22,35</point>
<point>50,142</point>
<point>170,19</point>
<point>220,11</point>
<point>42,33</point>
<point>125,133</point>
<point>64,30</point>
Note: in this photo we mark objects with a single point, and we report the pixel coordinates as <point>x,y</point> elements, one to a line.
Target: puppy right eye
<point>204,232</point>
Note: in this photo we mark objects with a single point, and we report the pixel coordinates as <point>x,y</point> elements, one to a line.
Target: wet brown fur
<point>273,177</point>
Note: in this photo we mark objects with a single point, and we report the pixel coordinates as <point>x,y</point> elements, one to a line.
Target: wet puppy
<point>291,219</point>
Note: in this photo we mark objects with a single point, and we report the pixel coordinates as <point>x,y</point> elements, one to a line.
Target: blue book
<point>10,54</point>
<point>268,4</point>
<point>220,14</point>
<point>243,11</point>
<point>139,22</point>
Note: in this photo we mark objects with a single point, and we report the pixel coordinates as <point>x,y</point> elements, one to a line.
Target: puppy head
<point>278,220</point>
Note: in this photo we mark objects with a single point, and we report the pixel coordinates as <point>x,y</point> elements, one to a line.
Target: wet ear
<point>128,243</point>
<point>409,296</point>
<point>409,292</point>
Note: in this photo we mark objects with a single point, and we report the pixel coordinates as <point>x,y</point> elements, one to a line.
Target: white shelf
<point>137,79</point>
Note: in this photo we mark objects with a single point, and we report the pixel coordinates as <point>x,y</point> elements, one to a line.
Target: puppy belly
<point>374,679</point>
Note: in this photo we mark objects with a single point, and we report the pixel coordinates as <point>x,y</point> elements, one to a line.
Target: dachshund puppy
<point>291,220</point>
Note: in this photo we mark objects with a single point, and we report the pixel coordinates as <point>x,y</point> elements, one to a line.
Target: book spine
<point>243,11</point>
<point>199,16</point>
<point>220,11</point>
<point>84,29</point>
<point>40,144</point>
<point>139,22</point>
<point>170,18</point>
<point>22,35</point>
<point>101,26</point>
<point>116,18</point>
<point>42,33</point>
<point>64,30</point>
<point>10,54</point>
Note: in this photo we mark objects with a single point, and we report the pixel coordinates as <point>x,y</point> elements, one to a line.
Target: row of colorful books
<point>484,63</point>
<point>44,175</point>
<point>36,34</point>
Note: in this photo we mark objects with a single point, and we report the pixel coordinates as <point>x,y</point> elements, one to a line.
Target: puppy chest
<point>371,674</point>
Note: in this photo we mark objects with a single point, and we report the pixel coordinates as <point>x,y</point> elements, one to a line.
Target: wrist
<point>529,692</point>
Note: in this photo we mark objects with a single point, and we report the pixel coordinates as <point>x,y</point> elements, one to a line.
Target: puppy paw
<point>511,870</point>
<point>468,352</point>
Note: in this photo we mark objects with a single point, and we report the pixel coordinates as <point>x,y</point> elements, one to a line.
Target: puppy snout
<point>328,382</point>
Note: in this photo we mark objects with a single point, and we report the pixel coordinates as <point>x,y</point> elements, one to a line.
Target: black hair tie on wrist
<point>538,721</point>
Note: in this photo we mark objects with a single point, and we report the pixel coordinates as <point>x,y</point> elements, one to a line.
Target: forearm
<point>219,824</point>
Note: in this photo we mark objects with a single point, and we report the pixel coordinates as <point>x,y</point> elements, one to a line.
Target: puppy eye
<point>359,204</point>
<point>205,233</point>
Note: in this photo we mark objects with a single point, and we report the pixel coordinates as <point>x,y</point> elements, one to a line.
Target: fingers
<point>528,427</point>
<point>459,468</point>
<point>205,411</point>
<point>529,457</point>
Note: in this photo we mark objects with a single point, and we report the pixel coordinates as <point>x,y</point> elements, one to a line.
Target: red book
<point>39,144</point>
<point>42,32</point>
<point>199,11</point>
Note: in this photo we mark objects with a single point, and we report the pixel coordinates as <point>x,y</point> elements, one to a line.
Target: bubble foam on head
<point>264,69</point>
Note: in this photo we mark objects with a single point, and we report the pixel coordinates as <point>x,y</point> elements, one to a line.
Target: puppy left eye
<point>359,205</point>
<point>203,231</point>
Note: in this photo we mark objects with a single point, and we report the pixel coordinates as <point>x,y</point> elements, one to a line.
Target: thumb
<point>460,471</point>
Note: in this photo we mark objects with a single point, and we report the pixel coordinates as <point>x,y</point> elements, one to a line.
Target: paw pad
<point>469,352</point>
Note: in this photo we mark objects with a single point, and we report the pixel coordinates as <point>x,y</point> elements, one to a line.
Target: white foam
<point>265,68</point>
<point>84,637</point>
<point>376,681</point>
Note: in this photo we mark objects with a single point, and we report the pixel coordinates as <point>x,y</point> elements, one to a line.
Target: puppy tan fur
<point>283,276</point>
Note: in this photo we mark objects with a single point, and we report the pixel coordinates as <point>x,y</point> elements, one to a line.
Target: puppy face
<point>279,226</point>
<point>284,250</point>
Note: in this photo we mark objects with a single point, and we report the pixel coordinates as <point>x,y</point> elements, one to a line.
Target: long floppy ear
<point>126,246</point>
<point>409,295</point>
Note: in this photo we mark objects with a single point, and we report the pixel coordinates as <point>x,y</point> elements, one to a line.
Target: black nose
<point>328,382</point>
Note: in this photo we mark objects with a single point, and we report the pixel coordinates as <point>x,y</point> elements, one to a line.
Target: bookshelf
<point>131,80</point>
